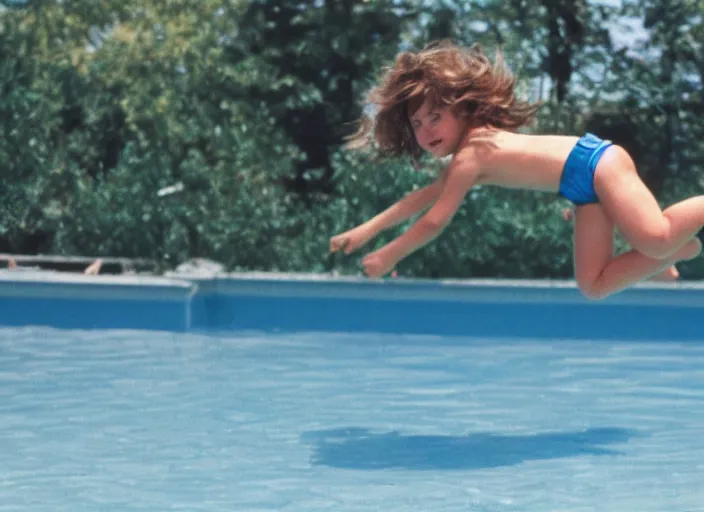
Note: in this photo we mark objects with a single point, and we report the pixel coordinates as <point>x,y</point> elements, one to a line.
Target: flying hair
<point>450,76</point>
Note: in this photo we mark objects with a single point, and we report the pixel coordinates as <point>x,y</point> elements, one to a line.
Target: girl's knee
<point>653,240</point>
<point>690,250</point>
<point>591,289</point>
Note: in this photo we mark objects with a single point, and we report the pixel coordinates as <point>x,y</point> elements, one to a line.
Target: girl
<point>454,102</point>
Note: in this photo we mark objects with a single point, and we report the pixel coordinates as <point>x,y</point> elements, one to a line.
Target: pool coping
<point>26,282</point>
<point>263,284</point>
<point>40,283</point>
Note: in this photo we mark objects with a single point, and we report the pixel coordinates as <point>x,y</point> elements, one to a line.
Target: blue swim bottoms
<point>577,182</point>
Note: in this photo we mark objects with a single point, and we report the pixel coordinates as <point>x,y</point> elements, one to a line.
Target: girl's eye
<point>435,118</point>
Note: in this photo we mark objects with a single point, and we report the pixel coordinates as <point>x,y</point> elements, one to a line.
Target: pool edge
<point>319,302</point>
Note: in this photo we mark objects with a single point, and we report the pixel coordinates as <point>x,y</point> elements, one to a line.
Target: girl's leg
<point>600,274</point>
<point>632,207</point>
<point>669,274</point>
<point>593,248</point>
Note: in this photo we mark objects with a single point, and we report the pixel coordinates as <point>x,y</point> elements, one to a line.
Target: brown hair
<point>463,79</point>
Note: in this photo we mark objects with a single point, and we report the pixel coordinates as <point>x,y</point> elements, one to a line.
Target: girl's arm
<point>461,176</point>
<point>407,206</point>
<point>351,240</point>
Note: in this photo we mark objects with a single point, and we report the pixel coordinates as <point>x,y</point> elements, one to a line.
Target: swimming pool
<point>136,420</point>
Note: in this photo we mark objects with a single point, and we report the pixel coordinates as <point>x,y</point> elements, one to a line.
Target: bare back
<point>514,160</point>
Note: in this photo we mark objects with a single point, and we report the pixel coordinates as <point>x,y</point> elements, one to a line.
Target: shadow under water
<point>359,448</point>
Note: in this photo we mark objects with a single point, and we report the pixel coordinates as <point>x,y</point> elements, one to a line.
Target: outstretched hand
<point>351,240</point>
<point>378,263</point>
<point>375,264</point>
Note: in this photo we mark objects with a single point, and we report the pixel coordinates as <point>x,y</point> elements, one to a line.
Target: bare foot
<point>667,275</point>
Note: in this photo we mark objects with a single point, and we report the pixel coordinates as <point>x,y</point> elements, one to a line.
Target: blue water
<point>145,421</point>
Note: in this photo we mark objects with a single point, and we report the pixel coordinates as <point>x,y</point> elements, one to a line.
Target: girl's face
<point>437,129</point>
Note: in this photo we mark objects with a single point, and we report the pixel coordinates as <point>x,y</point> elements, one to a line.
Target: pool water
<point>145,421</point>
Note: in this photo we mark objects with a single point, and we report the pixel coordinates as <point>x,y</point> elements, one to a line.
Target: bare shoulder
<point>465,167</point>
<point>475,154</point>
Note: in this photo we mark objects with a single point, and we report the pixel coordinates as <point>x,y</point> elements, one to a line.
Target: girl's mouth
<point>435,143</point>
